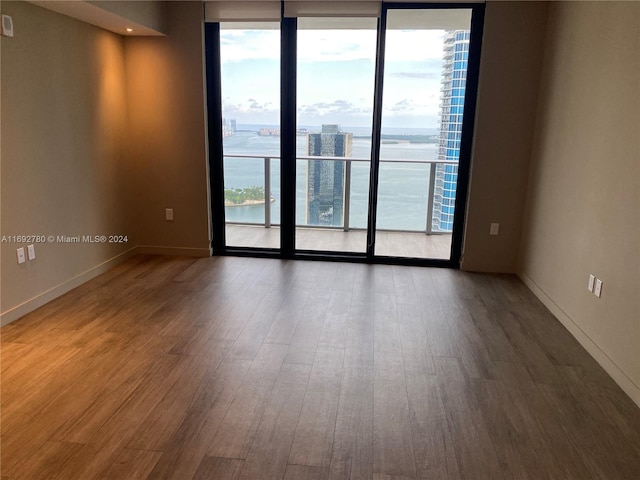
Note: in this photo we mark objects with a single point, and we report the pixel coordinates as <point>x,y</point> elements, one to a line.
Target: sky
<point>335,77</point>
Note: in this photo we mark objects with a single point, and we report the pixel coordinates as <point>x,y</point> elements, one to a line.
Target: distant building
<point>325,178</point>
<point>269,132</point>
<point>453,83</point>
<point>228,127</point>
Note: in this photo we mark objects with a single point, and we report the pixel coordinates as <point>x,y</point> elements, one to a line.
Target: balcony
<point>388,243</point>
<point>405,215</point>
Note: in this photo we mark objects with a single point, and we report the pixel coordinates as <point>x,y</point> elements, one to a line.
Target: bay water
<point>402,188</point>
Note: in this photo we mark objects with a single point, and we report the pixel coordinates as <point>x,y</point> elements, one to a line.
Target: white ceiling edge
<point>94,15</point>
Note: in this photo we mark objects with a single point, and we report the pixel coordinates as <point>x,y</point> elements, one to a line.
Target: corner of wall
<point>507,94</point>
<point>167,132</point>
<point>94,144</point>
<point>610,366</point>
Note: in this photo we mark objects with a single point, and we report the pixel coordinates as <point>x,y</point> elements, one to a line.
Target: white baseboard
<point>42,298</point>
<point>184,251</point>
<point>614,371</point>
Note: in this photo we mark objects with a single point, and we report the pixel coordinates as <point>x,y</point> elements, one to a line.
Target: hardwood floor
<point>244,368</point>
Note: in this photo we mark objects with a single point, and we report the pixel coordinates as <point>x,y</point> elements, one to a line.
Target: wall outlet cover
<point>597,291</point>
<point>7,26</point>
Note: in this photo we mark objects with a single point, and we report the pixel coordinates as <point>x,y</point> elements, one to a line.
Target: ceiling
<point>142,18</point>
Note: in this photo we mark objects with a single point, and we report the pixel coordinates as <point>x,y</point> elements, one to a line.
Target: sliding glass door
<point>426,57</point>
<point>342,135</point>
<point>250,86</point>
<point>335,90</point>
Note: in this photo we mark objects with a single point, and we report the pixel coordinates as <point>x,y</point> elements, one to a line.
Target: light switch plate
<point>20,253</point>
<point>31,252</point>
<point>7,26</point>
<point>494,229</point>
<point>168,214</point>
<point>592,280</point>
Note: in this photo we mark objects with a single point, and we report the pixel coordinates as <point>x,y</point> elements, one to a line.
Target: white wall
<point>99,135</point>
<point>583,204</point>
<point>167,134</point>
<point>512,48</point>
<point>64,169</point>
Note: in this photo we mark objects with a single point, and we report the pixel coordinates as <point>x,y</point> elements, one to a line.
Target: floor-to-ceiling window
<point>425,70</point>
<point>335,92</point>
<point>343,134</point>
<point>250,86</point>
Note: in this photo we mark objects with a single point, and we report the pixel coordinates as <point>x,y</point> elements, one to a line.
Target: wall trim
<point>163,250</point>
<point>45,297</point>
<point>610,366</point>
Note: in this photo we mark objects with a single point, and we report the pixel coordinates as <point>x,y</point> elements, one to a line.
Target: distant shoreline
<point>390,139</point>
<point>361,132</point>
<point>247,203</point>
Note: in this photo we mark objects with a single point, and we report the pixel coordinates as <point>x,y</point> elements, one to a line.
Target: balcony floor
<point>395,244</point>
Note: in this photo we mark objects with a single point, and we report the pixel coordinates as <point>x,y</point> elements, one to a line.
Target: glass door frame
<point>466,142</point>
<point>288,115</point>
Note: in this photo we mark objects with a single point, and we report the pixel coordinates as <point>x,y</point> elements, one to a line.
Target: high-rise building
<point>325,178</point>
<point>453,83</point>
<point>228,127</point>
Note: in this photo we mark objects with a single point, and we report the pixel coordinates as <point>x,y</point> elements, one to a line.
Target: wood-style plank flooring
<point>244,368</point>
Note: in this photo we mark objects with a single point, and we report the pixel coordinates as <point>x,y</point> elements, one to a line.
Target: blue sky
<point>335,77</point>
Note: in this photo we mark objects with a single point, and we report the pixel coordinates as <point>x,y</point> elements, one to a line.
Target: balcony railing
<point>349,161</point>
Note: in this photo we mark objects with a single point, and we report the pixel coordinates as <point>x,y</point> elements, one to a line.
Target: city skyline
<point>420,94</point>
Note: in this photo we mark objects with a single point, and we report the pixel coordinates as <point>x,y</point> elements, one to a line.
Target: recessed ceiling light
<point>129,30</point>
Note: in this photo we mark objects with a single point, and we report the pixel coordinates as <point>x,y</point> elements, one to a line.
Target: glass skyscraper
<point>325,178</point>
<point>453,83</point>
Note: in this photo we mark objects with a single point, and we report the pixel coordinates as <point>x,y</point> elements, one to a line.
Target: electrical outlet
<point>597,291</point>
<point>20,253</point>
<point>168,214</point>
<point>6,28</point>
<point>494,229</point>
<point>592,280</point>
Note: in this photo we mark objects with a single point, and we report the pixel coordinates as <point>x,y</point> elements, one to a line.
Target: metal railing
<point>347,188</point>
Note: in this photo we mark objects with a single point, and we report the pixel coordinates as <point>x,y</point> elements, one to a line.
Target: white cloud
<point>249,106</point>
<point>416,75</point>
<point>414,45</point>
<point>332,45</point>
<point>336,74</point>
<point>336,107</point>
<point>238,45</point>
<point>336,45</point>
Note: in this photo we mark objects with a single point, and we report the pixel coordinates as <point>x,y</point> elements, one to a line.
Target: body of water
<point>402,190</point>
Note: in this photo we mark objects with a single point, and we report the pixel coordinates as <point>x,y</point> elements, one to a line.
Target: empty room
<point>309,239</point>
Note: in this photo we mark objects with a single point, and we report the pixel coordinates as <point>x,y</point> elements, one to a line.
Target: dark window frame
<point>288,64</point>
